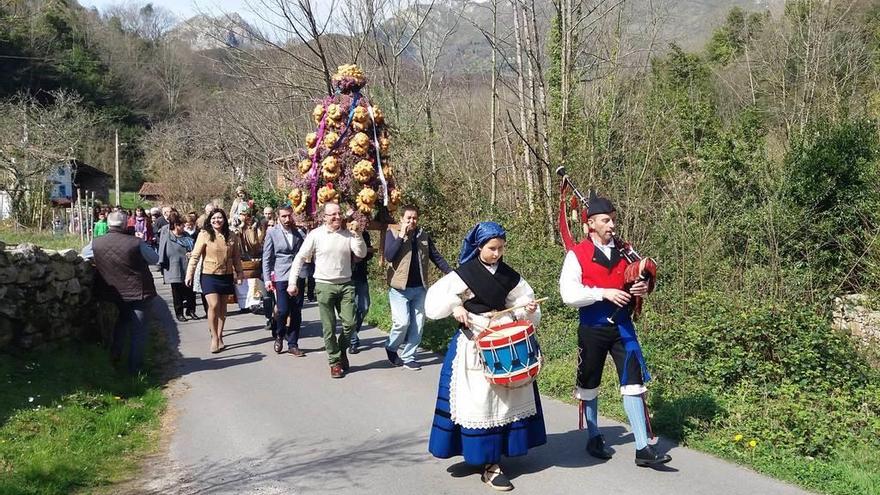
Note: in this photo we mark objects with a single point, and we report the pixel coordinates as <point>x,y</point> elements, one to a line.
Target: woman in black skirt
<point>218,248</point>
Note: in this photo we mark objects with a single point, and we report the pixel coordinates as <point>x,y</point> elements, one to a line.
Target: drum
<point>510,353</point>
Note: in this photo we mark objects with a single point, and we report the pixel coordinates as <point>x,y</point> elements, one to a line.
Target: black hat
<point>599,204</point>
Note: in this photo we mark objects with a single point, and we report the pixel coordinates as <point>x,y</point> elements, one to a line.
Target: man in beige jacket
<point>408,251</point>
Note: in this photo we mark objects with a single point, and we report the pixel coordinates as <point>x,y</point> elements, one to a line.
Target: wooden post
<point>92,217</point>
<point>40,206</point>
<point>80,215</point>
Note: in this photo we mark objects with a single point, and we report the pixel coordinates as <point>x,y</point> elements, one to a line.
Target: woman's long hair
<point>223,230</point>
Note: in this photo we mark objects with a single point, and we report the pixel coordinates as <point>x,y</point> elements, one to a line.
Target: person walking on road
<point>175,247</point>
<point>282,243</point>
<point>408,251</point>
<point>362,292</point>
<point>218,249</point>
<point>123,263</point>
<point>331,246</point>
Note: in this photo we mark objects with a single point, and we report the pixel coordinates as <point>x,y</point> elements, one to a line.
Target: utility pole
<point>116,135</point>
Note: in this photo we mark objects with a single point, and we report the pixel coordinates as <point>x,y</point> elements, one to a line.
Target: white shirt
<point>450,292</point>
<point>574,293</point>
<point>332,252</point>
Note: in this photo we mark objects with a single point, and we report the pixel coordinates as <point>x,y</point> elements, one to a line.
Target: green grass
<point>70,421</point>
<point>45,239</point>
<point>130,199</point>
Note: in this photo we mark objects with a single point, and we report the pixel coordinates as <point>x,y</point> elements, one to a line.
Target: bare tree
<point>36,138</point>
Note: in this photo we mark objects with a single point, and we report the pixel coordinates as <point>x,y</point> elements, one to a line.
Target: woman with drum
<point>476,416</point>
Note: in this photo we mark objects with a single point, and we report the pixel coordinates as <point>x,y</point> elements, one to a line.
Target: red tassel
<point>648,417</point>
<point>567,239</point>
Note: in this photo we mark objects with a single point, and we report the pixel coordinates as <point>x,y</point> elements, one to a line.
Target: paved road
<point>250,421</point>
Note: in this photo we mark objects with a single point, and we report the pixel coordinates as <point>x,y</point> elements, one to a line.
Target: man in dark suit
<point>279,248</point>
<point>122,261</point>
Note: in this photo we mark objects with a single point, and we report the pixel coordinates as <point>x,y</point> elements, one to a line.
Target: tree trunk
<point>494,181</point>
<point>523,122</point>
<point>544,177</point>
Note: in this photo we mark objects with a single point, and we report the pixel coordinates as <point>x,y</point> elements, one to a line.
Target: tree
<point>34,139</point>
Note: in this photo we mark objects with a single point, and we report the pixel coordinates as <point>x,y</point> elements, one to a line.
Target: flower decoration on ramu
<point>345,158</point>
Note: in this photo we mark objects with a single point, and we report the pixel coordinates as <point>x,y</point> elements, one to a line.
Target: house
<point>69,176</point>
<point>152,191</point>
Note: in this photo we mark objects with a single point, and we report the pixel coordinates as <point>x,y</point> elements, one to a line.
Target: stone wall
<point>46,297</point>
<point>855,315</point>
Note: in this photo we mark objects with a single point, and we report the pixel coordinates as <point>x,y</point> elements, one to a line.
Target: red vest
<point>596,270</point>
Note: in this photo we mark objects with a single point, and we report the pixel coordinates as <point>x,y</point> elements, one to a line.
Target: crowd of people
<point>268,263</point>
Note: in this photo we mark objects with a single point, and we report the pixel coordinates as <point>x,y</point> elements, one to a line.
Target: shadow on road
<point>326,468</point>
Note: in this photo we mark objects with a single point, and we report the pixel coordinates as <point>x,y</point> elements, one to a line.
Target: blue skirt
<point>480,446</point>
<point>218,284</point>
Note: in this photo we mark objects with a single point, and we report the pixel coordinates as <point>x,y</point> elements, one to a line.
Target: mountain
<point>688,23</point>
<point>204,32</point>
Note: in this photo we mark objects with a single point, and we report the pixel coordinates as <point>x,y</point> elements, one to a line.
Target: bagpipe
<point>638,269</point>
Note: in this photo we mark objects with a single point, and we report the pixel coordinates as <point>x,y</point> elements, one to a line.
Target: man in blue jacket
<point>279,248</point>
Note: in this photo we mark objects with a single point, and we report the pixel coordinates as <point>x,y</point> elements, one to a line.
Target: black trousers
<point>184,298</point>
<point>594,344</point>
<point>310,288</point>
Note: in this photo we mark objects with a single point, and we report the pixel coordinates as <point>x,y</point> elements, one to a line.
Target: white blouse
<point>451,292</point>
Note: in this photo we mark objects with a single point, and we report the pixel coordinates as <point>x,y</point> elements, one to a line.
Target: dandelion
<point>117,397</point>
<point>30,399</point>
<point>738,437</point>
<point>753,443</point>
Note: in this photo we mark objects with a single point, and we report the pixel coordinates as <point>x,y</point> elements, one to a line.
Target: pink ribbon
<point>314,171</point>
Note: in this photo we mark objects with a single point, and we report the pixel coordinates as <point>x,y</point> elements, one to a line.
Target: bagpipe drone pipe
<point>638,269</point>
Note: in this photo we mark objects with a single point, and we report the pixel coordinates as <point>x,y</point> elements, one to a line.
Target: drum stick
<point>496,314</point>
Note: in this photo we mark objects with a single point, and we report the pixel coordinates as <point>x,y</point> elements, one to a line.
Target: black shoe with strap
<point>649,457</point>
<point>596,448</point>
<point>496,480</point>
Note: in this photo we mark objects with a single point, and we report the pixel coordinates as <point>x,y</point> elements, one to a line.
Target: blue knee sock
<point>591,413</point>
<point>635,411</point>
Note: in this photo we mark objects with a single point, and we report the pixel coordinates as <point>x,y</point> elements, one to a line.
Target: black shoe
<point>343,361</point>
<point>354,349</point>
<point>181,318</point>
<point>393,358</point>
<point>279,345</point>
<point>596,448</point>
<point>496,480</point>
<point>192,315</point>
<point>649,457</point>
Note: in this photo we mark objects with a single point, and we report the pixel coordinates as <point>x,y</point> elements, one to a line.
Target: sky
<point>184,9</point>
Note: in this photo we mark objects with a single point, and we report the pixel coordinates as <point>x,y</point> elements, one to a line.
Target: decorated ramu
<point>345,160</point>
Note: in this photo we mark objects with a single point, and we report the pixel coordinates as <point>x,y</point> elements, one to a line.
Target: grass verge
<point>44,239</point>
<point>71,422</point>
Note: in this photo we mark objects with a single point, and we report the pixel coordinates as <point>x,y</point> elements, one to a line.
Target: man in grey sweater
<point>331,246</point>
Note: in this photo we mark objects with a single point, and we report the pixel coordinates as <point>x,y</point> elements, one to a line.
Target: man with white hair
<point>200,223</point>
<point>123,261</point>
<point>332,246</point>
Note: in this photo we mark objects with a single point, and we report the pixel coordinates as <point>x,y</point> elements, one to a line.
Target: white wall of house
<point>5,206</point>
<point>61,182</point>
